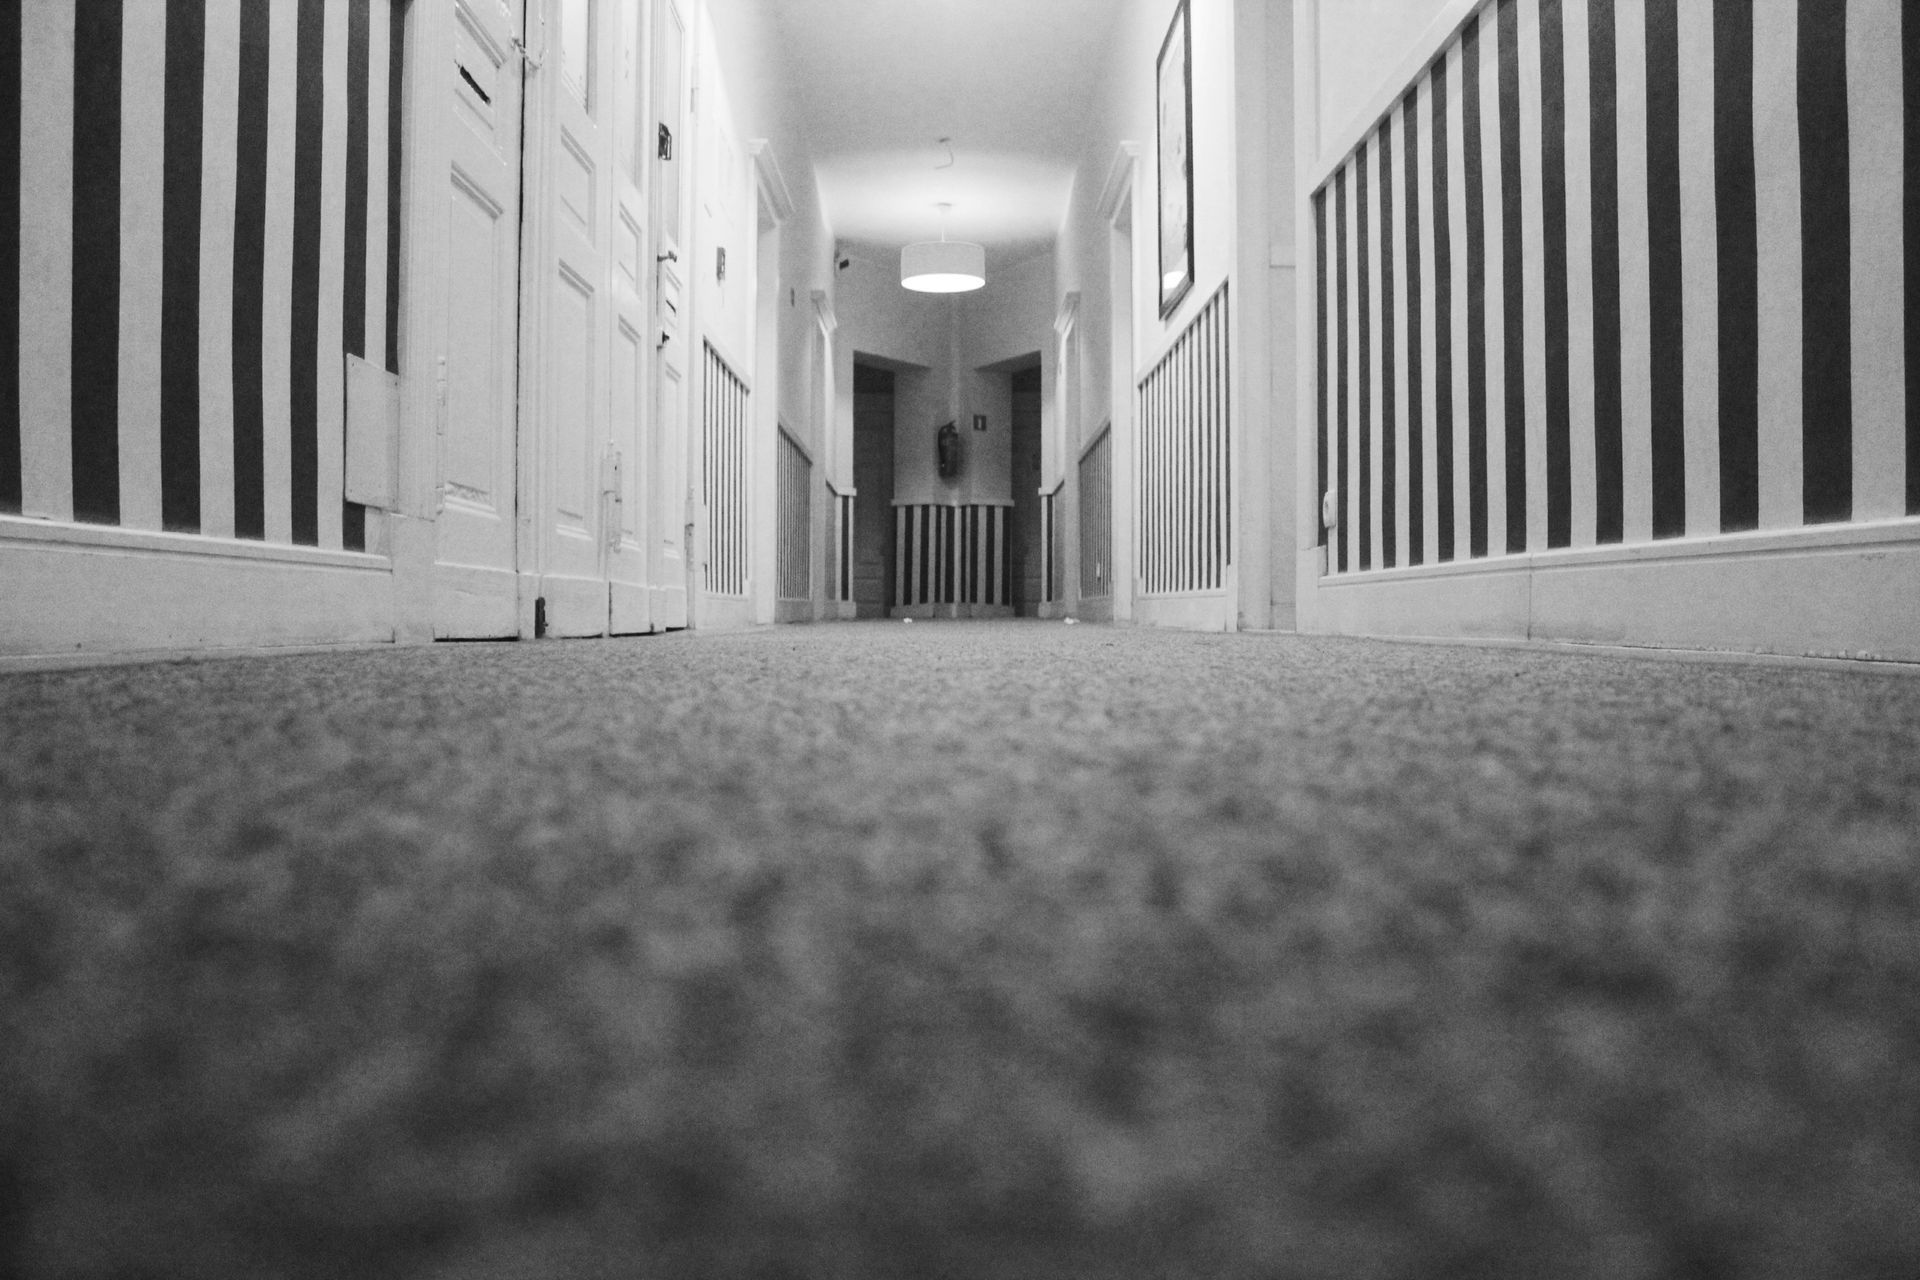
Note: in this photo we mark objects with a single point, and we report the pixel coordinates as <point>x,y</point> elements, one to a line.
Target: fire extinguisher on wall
<point>947,447</point>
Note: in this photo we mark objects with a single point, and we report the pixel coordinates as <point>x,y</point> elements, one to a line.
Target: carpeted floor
<point>1000,951</point>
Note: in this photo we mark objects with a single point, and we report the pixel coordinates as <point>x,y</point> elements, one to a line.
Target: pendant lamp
<point>943,265</point>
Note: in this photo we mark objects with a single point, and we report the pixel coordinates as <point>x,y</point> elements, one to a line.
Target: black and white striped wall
<point>726,420</point>
<point>951,559</point>
<point>1621,271</point>
<point>200,207</point>
<point>1185,415</point>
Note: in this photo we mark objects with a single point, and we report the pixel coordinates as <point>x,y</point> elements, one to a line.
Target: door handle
<point>668,256</point>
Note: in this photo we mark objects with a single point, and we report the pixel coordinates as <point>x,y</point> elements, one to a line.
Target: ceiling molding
<point>773,183</point>
<point>1119,179</point>
<point>1069,312</point>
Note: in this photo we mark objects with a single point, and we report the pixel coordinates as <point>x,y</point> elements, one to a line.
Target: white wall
<point>1359,47</point>
<point>1242,155</point>
<point>1010,318</point>
<point>747,103</point>
<point>912,333</point>
<point>1127,113</point>
<point>951,337</point>
<point>765,104</point>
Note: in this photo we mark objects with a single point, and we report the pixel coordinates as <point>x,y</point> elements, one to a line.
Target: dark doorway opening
<point>1023,521</point>
<point>873,491</point>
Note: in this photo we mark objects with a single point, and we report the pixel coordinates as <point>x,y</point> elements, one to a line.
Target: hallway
<point>963,950</point>
<point>347,322</point>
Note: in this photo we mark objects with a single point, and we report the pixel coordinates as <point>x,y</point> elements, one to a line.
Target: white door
<point>474,581</point>
<point>668,500</point>
<point>570,391</point>
<point>630,602</point>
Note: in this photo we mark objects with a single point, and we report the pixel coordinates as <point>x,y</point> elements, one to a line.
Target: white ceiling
<point>1012,83</point>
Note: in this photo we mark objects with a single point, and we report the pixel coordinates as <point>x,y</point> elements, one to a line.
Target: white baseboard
<point>1198,611</point>
<point>723,613</point>
<point>575,606</point>
<point>1849,591</point>
<point>74,589</point>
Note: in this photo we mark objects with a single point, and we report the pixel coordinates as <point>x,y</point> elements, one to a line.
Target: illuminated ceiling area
<point>1010,82</point>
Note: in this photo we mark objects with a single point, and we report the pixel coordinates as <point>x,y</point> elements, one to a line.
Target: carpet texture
<point>959,950</point>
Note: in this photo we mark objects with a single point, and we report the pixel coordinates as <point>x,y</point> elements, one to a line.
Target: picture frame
<point>1173,98</point>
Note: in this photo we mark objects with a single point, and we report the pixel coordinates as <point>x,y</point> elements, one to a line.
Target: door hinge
<point>529,60</point>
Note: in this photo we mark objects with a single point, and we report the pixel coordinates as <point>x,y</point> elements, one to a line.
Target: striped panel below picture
<point>794,533</point>
<point>950,555</point>
<point>723,459</point>
<point>204,220</point>
<point>1622,270</point>
<point>1186,477</point>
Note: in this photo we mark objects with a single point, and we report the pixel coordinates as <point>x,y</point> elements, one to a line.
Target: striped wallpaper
<point>201,204</point>
<point>727,420</point>
<point>1184,408</point>
<point>793,536</point>
<point>955,555</point>
<point>1619,270</point>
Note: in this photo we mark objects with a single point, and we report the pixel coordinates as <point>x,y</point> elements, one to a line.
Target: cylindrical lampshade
<point>943,266</point>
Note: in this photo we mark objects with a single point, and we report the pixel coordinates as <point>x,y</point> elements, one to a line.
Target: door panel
<point>573,323</point>
<point>573,399</point>
<point>474,586</point>
<point>629,608</point>
<point>629,605</point>
<point>610,535</point>
<point>476,471</point>
<point>576,48</point>
<point>668,499</point>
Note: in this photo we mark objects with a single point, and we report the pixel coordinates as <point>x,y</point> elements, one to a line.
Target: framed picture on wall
<point>1174,97</point>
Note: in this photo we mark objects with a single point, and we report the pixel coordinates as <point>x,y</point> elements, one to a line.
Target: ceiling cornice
<point>1119,179</point>
<point>772,182</point>
<point>1069,312</point>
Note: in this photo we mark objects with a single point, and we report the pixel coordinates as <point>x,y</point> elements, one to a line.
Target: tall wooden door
<point>475,585</point>
<point>668,501</point>
<point>630,602</point>
<point>568,389</point>
<point>873,549</point>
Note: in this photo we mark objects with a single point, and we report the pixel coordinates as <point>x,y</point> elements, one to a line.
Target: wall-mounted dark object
<point>947,449</point>
<point>979,422</point>
<point>720,263</point>
<point>666,143</point>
